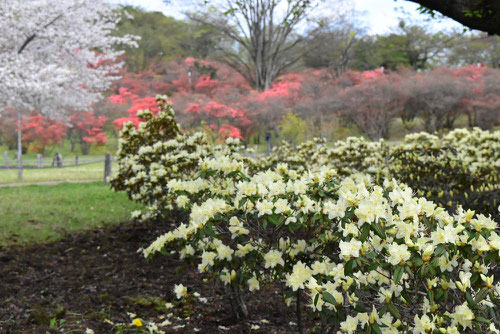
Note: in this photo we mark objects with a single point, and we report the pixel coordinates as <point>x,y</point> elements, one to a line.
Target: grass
<point>45,213</point>
<point>86,172</point>
<point>30,158</point>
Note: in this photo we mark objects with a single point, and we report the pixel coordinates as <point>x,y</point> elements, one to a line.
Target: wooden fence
<point>58,161</point>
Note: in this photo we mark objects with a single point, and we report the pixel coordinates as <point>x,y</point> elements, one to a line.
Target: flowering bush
<point>462,168</point>
<point>361,251</point>
<point>156,152</point>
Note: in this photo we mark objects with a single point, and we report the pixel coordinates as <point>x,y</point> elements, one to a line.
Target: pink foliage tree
<point>39,132</point>
<point>86,129</point>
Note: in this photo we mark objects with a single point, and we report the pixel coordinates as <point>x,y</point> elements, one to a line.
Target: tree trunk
<point>72,141</point>
<point>238,305</point>
<point>19,148</point>
<point>298,313</point>
<point>85,147</point>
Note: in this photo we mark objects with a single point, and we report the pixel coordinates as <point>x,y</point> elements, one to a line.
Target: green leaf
<point>474,278</point>
<point>294,227</point>
<point>376,329</point>
<point>394,311</point>
<point>273,220</point>
<point>470,301</point>
<point>439,250</point>
<point>208,230</point>
<point>481,295</point>
<point>424,270</point>
<point>316,299</point>
<point>289,294</point>
<point>349,267</point>
<point>439,295</point>
<point>430,295</point>
<point>483,320</point>
<point>360,307</point>
<point>406,296</point>
<point>409,272</point>
<point>242,202</point>
<point>490,256</point>
<point>418,262</point>
<point>378,230</point>
<point>327,296</point>
<point>316,217</point>
<point>365,233</point>
<point>398,273</point>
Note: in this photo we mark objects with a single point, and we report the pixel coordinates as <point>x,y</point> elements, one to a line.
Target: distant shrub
<point>293,128</point>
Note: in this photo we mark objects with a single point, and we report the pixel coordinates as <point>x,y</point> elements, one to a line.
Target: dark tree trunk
<point>85,147</point>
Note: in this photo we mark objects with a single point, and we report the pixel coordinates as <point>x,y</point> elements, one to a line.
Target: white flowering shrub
<point>365,256</point>
<point>360,254</point>
<point>462,168</point>
<point>348,156</point>
<point>156,152</point>
<point>300,158</point>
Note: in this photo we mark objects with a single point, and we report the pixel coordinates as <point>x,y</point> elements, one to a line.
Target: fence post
<point>107,167</point>
<point>76,159</point>
<point>268,140</point>
<point>39,160</point>
<point>6,157</point>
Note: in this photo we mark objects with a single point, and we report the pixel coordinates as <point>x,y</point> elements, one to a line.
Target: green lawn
<point>43,213</point>
<point>85,172</point>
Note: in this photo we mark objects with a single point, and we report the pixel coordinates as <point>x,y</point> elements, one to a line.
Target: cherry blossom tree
<point>57,55</point>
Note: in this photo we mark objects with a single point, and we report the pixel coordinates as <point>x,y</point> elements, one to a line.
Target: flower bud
<point>487,280</point>
<point>426,255</point>
<point>372,316</point>
<point>431,283</point>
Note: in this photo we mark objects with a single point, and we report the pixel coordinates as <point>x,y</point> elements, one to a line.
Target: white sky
<point>379,16</point>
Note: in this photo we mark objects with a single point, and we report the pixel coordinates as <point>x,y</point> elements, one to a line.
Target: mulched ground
<point>94,279</point>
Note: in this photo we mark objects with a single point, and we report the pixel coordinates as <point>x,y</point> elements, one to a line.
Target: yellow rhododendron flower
<point>180,291</point>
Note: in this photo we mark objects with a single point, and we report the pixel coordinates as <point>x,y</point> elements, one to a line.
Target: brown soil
<point>92,279</point>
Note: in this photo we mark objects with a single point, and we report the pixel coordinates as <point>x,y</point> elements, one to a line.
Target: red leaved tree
<point>38,132</point>
<point>145,103</point>
<point>85,129</point>
<point>373,102</point>
<point>483,104</point>
<point>227,130</point>
<point>439,97</point>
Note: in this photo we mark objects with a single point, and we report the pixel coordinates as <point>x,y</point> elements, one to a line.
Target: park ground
<point>69,262</point>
